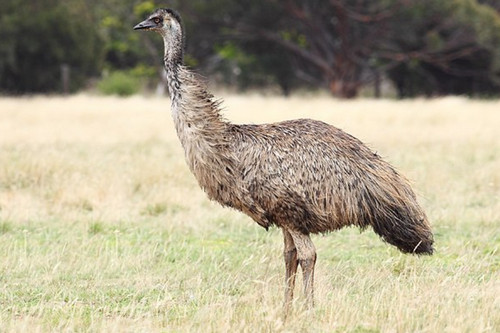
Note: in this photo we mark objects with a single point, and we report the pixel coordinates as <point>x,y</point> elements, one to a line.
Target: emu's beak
<point>146,24</point>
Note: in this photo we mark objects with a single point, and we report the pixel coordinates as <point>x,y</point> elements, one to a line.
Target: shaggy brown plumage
<point>303,175</point>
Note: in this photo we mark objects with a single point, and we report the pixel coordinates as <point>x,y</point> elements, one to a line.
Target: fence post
<point>65,78</point>
<point>377,82</point>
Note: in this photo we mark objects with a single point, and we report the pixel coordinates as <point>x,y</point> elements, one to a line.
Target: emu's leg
<point>291,263</point>
<point>306,253</point>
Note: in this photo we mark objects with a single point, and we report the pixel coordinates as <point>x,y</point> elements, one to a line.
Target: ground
<point>103,228</point>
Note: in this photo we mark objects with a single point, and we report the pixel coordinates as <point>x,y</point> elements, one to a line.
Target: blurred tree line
<point>424,47</point>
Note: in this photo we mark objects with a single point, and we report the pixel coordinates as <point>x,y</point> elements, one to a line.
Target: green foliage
<point>36,39</point>
<point>294,36</point>
<point>190,61</point>
<point>424,47</point>
<point>144,8</point>
<point>230,51</point>
<point>453,47</point>
<point>143,71</point>
<point>119,83</point>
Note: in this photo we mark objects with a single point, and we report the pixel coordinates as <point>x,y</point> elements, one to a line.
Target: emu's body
<point>304,176</point>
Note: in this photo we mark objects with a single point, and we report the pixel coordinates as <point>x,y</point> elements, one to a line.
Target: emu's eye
<point>156,20</point>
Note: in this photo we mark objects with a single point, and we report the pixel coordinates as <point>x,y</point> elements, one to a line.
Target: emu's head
<point>165,21</point>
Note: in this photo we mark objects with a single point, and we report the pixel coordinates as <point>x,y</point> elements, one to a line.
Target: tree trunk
<point>344,89</point>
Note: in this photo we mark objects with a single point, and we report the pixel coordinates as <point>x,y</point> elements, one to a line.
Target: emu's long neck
<point>194,110</point>
<point>173,59</point>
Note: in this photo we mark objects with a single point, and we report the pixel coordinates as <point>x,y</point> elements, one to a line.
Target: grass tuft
<point>155,209</point>
<point>96,228</point>
<point>5,227</point>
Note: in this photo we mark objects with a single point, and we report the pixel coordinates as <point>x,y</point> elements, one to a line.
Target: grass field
<point>103,228</point>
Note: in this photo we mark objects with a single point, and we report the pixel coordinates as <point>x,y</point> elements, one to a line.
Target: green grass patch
<point>119,83</point>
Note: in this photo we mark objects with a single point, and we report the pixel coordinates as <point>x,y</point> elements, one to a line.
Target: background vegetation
<point>423,47</point>
<point>104,229</point>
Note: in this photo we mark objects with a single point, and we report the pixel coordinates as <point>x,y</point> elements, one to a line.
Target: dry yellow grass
<point>103,228</point>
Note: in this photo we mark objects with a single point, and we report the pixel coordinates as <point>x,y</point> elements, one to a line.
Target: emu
<point>303,176</point>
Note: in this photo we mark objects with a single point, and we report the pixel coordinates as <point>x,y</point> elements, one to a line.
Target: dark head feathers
<point>174,14</point>
<point>164,11</point>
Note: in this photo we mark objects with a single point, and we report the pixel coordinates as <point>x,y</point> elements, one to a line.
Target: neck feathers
<point>174,46</point>
<point>195,111</point>
<point>191,98</point>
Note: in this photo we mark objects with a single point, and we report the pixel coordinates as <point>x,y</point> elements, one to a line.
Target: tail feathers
<point>408,231</point>
<point>391,208</point>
